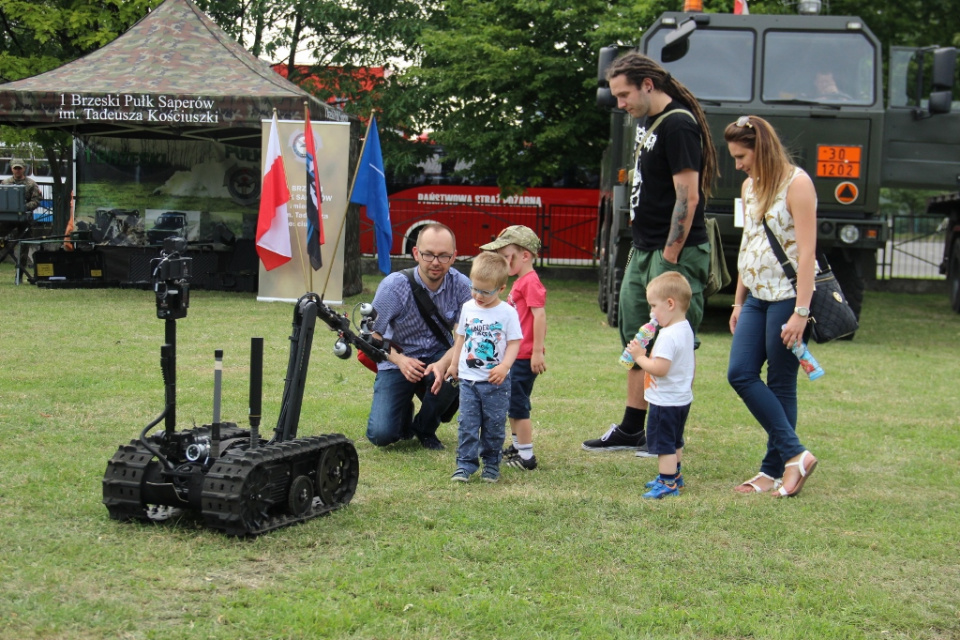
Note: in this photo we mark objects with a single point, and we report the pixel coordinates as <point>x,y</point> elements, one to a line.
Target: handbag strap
<point>785,262</point>
<point>781,254</point>
<point>428,310</point>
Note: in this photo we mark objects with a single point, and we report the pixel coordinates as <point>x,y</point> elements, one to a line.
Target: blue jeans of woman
<point>756,340</point>
<point>481,424</point>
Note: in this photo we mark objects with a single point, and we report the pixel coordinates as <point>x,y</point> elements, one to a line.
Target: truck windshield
<point>718,67</point>
<point>823,68</point>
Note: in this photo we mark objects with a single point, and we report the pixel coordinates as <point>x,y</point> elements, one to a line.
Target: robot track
<point>245,492</point>
<point>254,491</point>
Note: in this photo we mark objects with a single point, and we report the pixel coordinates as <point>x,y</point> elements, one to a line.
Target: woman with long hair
<point>770,312</point>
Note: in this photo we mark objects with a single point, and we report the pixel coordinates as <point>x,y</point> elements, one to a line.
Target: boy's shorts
<point>665,429</point>
<point>521,386</point>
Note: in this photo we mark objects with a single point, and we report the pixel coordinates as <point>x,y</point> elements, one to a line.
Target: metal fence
<point>568,232</point>
<point>915,248</point>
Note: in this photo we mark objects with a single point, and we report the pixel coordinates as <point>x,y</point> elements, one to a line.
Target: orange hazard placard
<point>846,193</point>
<point>835,161</point>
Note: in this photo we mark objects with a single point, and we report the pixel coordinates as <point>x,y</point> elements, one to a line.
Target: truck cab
<point>819,81</point>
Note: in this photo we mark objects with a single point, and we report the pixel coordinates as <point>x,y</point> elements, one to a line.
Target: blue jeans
<point>391,413</point>
<point>483,412</point>
<point>756,340</point>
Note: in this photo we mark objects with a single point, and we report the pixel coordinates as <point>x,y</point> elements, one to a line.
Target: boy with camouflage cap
<point>520,246</point>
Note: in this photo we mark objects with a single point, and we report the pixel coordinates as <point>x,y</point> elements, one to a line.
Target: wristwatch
<point>803,312</point>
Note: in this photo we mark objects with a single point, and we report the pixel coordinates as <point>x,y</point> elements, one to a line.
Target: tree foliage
<point>40,35</point>
<point>508,82</point>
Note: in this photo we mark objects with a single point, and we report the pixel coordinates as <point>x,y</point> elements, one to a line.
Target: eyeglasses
<point>483,292</point>
<point>744,121</point>
<point>442,259</point>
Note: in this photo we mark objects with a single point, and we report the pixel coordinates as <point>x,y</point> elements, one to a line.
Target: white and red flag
<point>273,229</point>
<point>740,7</point>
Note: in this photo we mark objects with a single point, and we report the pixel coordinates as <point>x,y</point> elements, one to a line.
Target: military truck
<point>851,143</point>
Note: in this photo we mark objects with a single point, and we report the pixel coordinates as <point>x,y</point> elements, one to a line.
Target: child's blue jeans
<point>480,424</point>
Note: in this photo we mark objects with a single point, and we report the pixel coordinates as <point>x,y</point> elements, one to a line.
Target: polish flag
<point>740,7</point>
<point>273,230</point>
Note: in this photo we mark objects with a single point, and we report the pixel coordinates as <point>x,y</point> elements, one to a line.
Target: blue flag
<point>370,189</point>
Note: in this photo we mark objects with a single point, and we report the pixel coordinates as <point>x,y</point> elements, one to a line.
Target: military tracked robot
<point>239,482</point>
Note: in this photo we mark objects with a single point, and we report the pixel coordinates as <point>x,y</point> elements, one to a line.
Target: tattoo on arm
<point>677,226</point>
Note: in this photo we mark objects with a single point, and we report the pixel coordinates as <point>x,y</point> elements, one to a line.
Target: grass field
<point>869,550</point>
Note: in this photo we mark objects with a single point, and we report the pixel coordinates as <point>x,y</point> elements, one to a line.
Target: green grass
<point>869,550</point>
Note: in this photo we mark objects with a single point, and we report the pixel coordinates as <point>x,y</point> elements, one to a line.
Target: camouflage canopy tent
<point>173,75</point>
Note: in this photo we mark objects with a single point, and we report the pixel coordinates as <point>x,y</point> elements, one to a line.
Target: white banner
<point>291,280</point>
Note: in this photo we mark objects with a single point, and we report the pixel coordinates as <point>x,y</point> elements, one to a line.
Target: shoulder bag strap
<point>781,254</point>
<point>428,310</point>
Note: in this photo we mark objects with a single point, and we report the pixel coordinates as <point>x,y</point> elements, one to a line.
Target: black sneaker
<point>510,451</point>
<point>432,442</point>
<point>519,463</point>
<point>616,440</point>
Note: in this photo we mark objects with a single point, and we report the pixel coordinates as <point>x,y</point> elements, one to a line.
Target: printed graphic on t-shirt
<point>637,177</point>
<point>480,343</point>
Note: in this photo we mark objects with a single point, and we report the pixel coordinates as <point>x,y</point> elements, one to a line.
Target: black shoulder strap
<point>785,262</point>
<point>428,310</point>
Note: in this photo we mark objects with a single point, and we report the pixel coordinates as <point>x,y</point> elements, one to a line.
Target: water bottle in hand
<point>808,363</point>
<point>644,336</point>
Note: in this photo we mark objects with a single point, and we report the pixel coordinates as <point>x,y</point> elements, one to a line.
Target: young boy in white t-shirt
<point>488,340</point>
<point>671,366</point>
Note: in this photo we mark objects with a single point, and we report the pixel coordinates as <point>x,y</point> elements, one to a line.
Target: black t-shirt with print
<point>673,146</point>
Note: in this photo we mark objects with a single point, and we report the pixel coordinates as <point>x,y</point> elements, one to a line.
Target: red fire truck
<point>564,218</point>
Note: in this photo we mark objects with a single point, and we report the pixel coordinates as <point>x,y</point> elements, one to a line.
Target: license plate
<point>838,162</point>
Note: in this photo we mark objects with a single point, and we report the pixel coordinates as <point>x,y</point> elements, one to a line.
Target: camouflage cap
<point>17,162</point>
<point>518,235</point>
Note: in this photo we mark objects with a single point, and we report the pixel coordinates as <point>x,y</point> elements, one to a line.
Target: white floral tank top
<point>759,267</point>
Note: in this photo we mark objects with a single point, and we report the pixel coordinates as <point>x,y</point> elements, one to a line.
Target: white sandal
<point>805,473</point>
<point>751,483</point>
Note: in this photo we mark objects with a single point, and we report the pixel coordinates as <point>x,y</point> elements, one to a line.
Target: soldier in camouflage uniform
<point>31,196</point>
<point>32,191</point>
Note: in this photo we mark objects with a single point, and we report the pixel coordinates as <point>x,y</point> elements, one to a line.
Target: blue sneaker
<point>651,484</point>
<point>662,490</point>
<point>490,475</point>
<point>460,475</point>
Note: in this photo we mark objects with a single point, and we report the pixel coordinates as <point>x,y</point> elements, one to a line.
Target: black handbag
<point>830,314</point>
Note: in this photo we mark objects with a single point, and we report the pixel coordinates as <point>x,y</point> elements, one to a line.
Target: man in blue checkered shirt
<point>416,354</point>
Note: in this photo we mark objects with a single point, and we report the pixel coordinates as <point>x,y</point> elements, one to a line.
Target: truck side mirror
<point>943,77</point>
<point>607,55</point>
<point>605,99</point>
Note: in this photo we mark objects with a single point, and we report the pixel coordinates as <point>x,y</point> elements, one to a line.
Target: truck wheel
<point>848,269</point>
<point>953,276</point>
<point>411,241</point>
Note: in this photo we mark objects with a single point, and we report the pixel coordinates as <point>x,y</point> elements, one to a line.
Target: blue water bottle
<point>808,363</point>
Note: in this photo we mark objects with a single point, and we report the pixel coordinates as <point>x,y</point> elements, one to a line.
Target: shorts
<point>521,386</point>
<point>665,429</point>
<point>644,266</point>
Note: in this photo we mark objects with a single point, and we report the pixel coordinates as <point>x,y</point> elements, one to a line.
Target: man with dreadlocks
<point>675,165</point>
